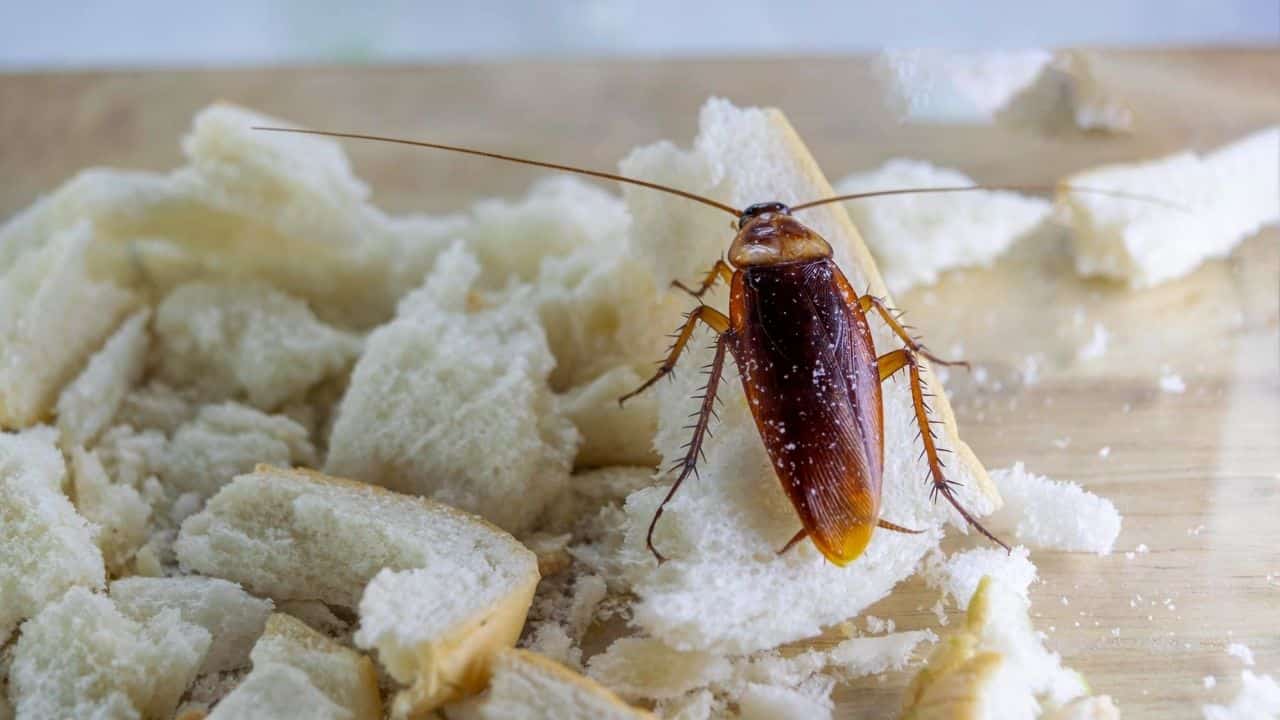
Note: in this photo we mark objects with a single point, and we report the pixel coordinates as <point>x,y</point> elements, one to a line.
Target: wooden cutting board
<point>1196,474</point>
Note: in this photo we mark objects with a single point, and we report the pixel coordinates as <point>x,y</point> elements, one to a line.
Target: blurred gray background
<point>67,34</point>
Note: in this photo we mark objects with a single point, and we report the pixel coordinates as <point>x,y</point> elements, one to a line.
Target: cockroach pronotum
<point>801,340</point>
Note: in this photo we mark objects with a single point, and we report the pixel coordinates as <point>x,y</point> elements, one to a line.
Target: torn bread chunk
<point>948,86</point>
<point>345,676</point>
<point>279,692</point>
<point>248,205</point>
<point>915,237</point>
<point>450,401</point>
<point>118,511</point>
<point>233,617</point>
<point>645,668</point>
<point>1207,204</point>
<point>53,315</point>
<point>246,340</point>
<point>48,547</point>
<point>994,667</point>
<point>958,574</point>
<point>157,406</point>
<point>87,405</point>
<point>81,657</point>
<point>526,685</point>
<point>612,433</point>
<point>1055,515</point>
<point>226,440</point>
<point>1259,698</point>
<point>725,588</point>
<point>438,590</point>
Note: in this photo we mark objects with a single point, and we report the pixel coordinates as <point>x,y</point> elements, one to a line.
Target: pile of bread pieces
<point>270,452</point>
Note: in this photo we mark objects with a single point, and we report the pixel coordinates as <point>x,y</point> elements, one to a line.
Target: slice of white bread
<point>612,434</point>
<point>915,237</point>
<point>81,658</point>
<point>346,677</point>
<point>528,686</point>
<point>450,401</point>
<point>47,546</point>
<point>228,439</point>
<point>53,316</point>
<point>949,86</point>
<point>1221,197</point>
<point>445,590</point>
<point>725,588</point>
<point>278,692</point>
<point>234,618</point>
<point>118,511</point>
<point>87,405</point>
<point>237,340</point>
<point>994,667</point>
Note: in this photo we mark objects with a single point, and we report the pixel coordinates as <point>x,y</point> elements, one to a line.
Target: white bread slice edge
<point>528,686</point>
<point>439,591</point>
<point>724,588</point>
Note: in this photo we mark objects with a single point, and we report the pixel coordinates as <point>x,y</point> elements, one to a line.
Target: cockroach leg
<point>715,319</point>
<point>941,485</point>
<point>795,539</point>
<point>720,271</point>
<point>891,362</point>
<point>886,525</point>
<point>869,302</point>
<point>689,463</point>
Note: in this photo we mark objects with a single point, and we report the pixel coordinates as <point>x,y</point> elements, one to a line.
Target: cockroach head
<point>768,235</point>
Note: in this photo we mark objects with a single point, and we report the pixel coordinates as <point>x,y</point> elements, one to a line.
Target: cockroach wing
<point>808,367</point>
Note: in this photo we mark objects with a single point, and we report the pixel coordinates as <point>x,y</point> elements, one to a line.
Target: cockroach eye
<point>760,209</point>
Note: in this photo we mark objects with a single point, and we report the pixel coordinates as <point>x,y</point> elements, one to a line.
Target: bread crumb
<point>1241,652</point>
<point>1171,382</point>
<point>1097,345</point>
<point>1209,681</point>
<point>1055,515</point>
<point>1258,699</point>
<point>1104,451</point>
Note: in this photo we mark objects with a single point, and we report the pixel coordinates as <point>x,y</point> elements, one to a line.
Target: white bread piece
<point>249,204</point>
<point>724,587</point>
<point>439,591</point>
<point>118,511</point>
<point>229,439</point>
<point>527,686</point>
<point>955,87</point>
<point>234,618</point>
<point>317,616</point>
<point>48,547</point>
<point>1053,514</point>
<point>1223,197</point>
<point>157,406</point>
<point>53,316</point>
<point>995,667</point>
<point>569,239</point>
<point>1258,699</point>
<point>345,676</point>
<point>246,340</point>
<point>959,574</point>
<point>645,668</point>
<point>612,434</point>
<point>759,701</point>
<point>450,401</point>
<point>80,657</point>
<point>915,237</point>
<point>278,692</point>
<point>87,405</point>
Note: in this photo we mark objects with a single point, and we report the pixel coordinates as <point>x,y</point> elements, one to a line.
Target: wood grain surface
<point>1196,475</point>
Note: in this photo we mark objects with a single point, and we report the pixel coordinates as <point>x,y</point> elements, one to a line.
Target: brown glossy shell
<point>808,366</point>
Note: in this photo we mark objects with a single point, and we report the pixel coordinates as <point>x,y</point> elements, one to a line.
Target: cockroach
<point>801,339</point>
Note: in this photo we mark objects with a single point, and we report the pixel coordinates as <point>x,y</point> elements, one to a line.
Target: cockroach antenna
<point>1015,188</point>
<point>523,161</point>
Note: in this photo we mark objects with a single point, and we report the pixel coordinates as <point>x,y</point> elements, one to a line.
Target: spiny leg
<point>941,485</point>
<point>793,541</point>
<point>689,463</point>
<point>715,319</point>
<point>869,302</point>
<point>720,271</point>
